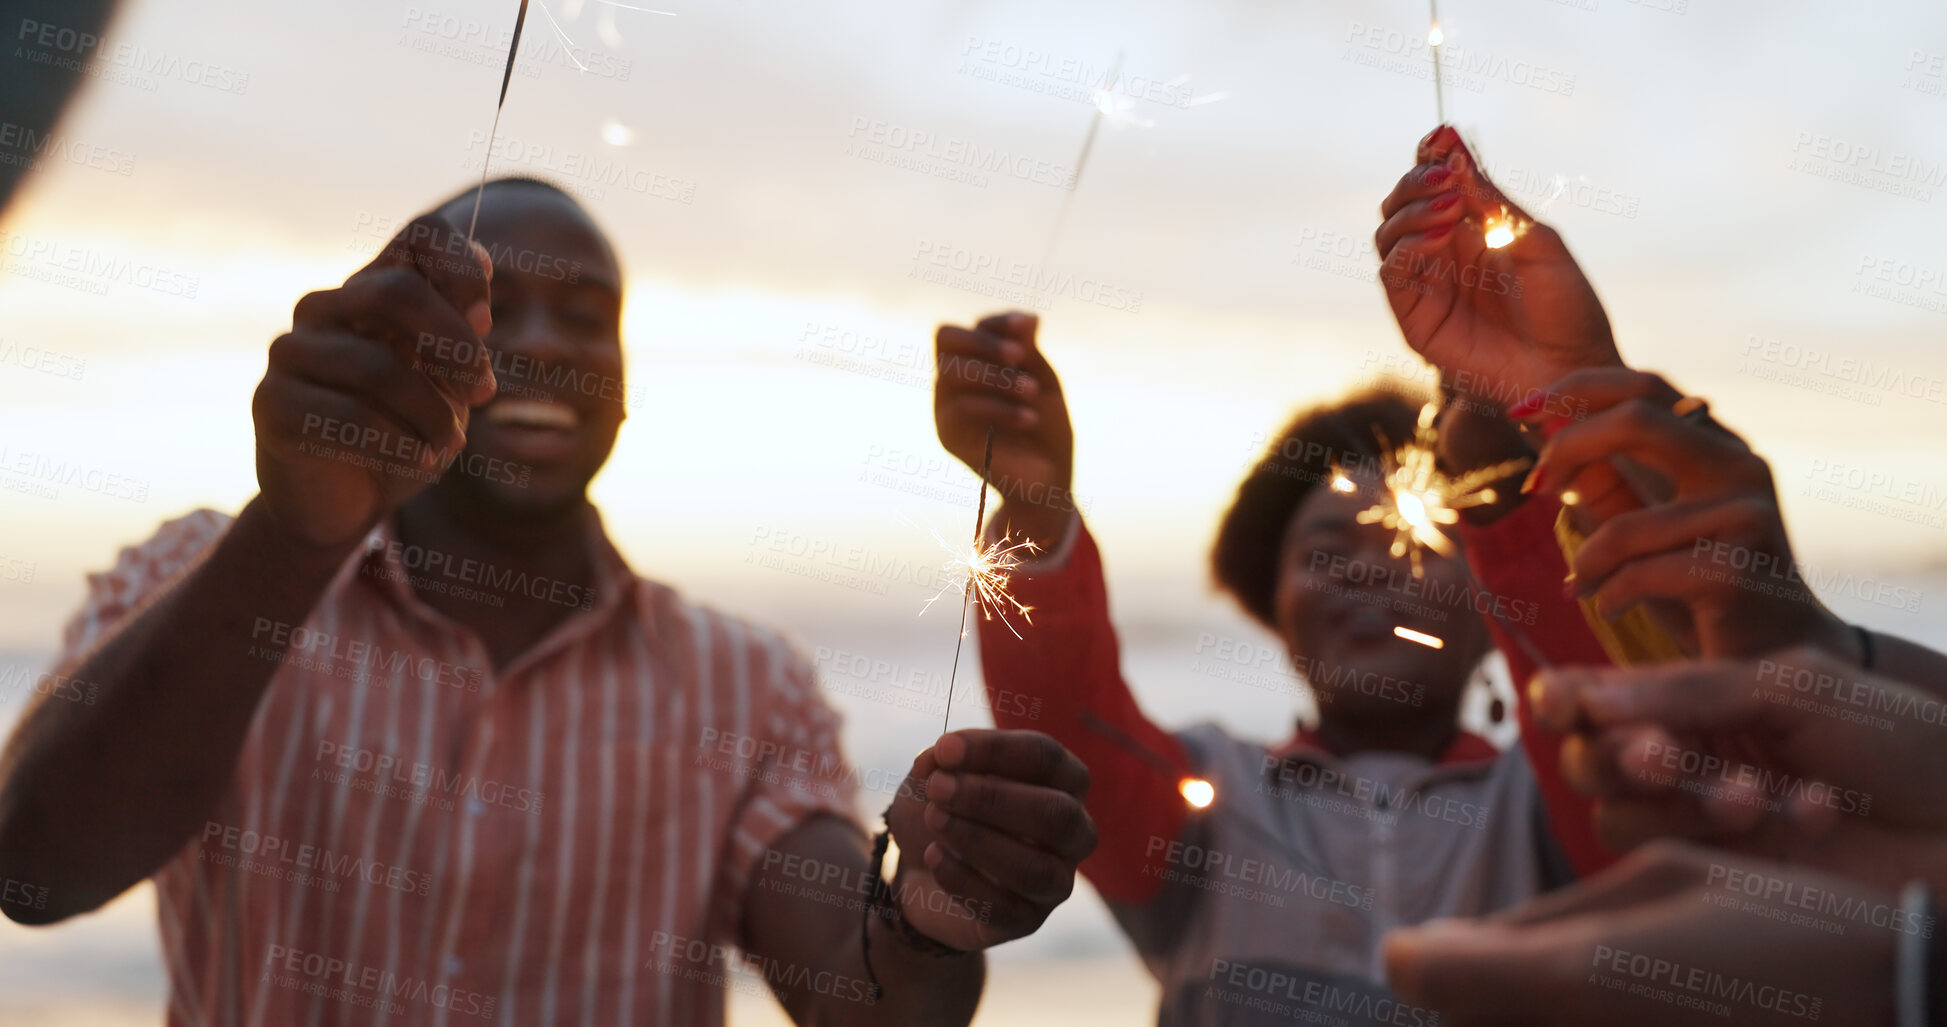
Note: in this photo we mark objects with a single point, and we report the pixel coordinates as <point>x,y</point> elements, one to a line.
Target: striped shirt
<point>414,838</point>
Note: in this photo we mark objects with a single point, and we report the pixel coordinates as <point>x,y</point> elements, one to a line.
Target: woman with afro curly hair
<point>1268,904</point>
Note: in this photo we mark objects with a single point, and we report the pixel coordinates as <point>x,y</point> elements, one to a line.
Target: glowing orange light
<point>1197,792</point>
<point>1430,641</point>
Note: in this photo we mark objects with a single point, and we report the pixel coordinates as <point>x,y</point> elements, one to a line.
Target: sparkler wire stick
<point>505,78</point>
<point>1081,164</point>
<point>1434,37</point>
<point>980,517</point>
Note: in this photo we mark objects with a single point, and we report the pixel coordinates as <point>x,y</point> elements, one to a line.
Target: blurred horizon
<point>800,194</point>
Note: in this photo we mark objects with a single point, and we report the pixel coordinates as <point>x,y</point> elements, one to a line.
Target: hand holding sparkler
<point>346,382</point>
<point>1480,289</point>
<point>992,379</point>
<point>991,828</point>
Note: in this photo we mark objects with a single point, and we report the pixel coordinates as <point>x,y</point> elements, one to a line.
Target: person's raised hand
<point>356,412</point>
<point>994,376</point>
<point>1499,323</point>
<point>991,829</point>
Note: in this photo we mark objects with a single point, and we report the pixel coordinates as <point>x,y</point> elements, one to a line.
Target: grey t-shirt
<point>1275,899</point>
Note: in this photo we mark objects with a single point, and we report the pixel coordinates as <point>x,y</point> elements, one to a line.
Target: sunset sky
<point>1759,191</point>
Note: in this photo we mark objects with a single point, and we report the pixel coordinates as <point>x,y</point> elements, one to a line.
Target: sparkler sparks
<point>981,576</point>
<point>1416,498</point>
<point>1503,228</point>
<point>981,572</point>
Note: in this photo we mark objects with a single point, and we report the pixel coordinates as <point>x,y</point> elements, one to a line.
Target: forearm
<point>1063,676</point>
<point>918,988</point>
<point>94,797</point>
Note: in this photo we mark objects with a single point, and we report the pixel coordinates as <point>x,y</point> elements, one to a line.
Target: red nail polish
<point>1437,175</point>
<point>1444,135</point>
<point>1446,201</point>
<point>1437,234</point>
<point>1533,481</point>
<point>1549,430</point>
<point>1526,408</point>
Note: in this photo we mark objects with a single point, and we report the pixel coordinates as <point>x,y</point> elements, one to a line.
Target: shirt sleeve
<point>1517,560</point>
<point>1063,676</point>
<point>785,793</point>
<point>140,575</point>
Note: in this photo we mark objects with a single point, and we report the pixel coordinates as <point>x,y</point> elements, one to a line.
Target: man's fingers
<point>1685,698</point>
<point>1044,816</point>
<point>1005,913</point>
<point>1487,973</point>
<point>458,272</point>
<point>1593,763</point>
<point>398,307</point>
<point>377,375</point>
<point>441,253</point>
<point>1654,871</point>
<point>1033,873</point>
<point>1029,757</point>
<point>1625,823</point>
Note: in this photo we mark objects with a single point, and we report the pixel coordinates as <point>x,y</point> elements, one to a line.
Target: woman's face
<point>1341,593</point>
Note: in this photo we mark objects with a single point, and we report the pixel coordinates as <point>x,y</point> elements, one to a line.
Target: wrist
<point>1044,523</point>
<point>895,923</point>
<point>261,529</point>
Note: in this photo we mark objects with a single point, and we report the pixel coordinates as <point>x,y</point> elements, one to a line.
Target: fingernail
<point>1548,430</point>
<point>1445,202</point>
<point>1012,353</point>
<point>1569,586</point>
<point>935,817</point>
<point>480,318</point>
<point>933,855</point>
<point>949,750</point>
<point>1438,175</point>
<point>1437,234</point>
<point>942,786</point>
<point>1526,408</point>
<point>1532,482</point>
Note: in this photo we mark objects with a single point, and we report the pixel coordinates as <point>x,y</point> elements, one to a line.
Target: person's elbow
<point>28,894</point>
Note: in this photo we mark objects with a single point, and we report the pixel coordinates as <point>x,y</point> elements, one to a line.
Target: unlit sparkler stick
<point>487,162</point>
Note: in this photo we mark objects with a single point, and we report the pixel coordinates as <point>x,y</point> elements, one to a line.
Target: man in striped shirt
<point>406,741</point>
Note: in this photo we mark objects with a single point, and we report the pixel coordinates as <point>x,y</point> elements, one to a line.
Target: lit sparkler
<point>980,574</point>
<point>1416,498</point>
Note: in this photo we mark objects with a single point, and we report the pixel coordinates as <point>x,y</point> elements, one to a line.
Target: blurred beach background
<point>801,192</point>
